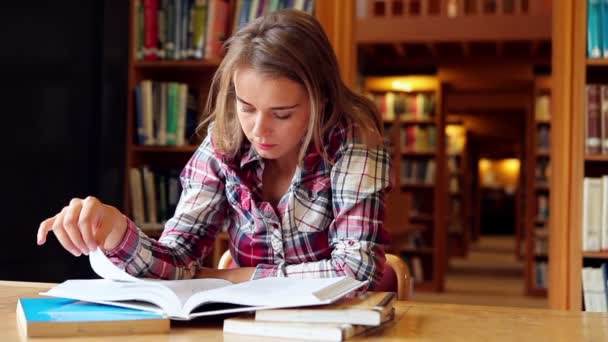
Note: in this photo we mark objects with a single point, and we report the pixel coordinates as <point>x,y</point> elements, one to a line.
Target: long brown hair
<point>290,44</point>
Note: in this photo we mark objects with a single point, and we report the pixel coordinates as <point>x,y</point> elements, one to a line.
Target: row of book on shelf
<point>542,107</point>
<point>418,171</point>
<point>543,138</point>
<point>542,171</point>
<point>597,29</point>
<point>416,138</point>
<point>595,292</point>
<point>404,106</point>
<point>542,208</point>
<point>596,119</point>
<point>179,29</point>
<point>595,214</point>
<point>540,269</point>
<point>195,29</point>
<point>166,113</point>
<point>154,196</point>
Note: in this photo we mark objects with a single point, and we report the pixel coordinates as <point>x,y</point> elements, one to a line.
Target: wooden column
<point>338,20</point>
<point>561,202</point>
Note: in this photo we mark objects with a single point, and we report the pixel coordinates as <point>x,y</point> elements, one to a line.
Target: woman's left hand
<point>234,275</point>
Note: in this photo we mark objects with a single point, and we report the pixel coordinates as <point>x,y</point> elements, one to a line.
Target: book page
<point>184,289</point>
<point>271,292</point>
<point>104,268</point>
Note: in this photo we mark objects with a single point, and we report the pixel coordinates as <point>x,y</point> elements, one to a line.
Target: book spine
<point>593,141</point>
<point>592,211</point>
<point>151,30</point>
<point>604,117</point>
<point>594,48</point>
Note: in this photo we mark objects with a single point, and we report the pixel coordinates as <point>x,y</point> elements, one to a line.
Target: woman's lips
<point>266,146</point>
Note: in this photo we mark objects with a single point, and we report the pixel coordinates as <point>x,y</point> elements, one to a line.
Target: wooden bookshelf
<point>572,71</point>
<point>537,189</point>
<point>458,230</point>
<point>429,191</point>
<point>595,255</point>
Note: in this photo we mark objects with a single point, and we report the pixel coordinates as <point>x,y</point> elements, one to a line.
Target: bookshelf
<point>573,71</point>
<point>166,160</point>
<point>458,230</point>
<point>414,123</point>
<point>537,190</point>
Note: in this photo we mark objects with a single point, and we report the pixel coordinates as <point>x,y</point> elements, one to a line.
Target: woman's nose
<point>261,127</point>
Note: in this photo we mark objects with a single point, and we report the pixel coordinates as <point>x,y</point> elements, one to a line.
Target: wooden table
<point>414,321</point>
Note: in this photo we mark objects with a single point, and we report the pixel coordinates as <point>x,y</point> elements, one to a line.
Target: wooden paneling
<point>425,29</point>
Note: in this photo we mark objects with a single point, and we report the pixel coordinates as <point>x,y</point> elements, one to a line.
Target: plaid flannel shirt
<point>328,224</point>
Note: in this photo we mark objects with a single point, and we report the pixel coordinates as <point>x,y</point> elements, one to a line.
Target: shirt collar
<point>250,155</point>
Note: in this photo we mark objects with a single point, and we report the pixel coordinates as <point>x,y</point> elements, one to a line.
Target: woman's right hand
<point>84,225</point>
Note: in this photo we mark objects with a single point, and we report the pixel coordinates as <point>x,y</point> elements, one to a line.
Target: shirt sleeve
<point>359,180</point>
<point>189,235</point>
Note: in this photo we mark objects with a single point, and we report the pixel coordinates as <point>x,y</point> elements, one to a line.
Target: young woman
<point>292,167</point>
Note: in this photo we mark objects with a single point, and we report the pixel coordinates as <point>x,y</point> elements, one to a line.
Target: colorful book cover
<point>56,317</point>
<point>594,47</point>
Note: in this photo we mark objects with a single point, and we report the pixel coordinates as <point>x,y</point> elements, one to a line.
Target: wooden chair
<point>397,276</point>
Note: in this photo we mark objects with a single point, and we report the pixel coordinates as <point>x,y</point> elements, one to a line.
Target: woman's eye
<point>282,116</point>
<point>247,110</point>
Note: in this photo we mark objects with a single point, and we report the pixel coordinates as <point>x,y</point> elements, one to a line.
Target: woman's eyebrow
<point>273,108</point>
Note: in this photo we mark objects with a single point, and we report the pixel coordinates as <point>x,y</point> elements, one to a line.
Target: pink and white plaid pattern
<point>329,223</point>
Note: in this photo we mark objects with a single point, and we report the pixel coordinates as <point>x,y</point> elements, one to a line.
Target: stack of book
<point>334,322</point>
<point>134,305</point>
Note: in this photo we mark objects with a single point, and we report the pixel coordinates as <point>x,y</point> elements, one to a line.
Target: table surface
<point>413,321</point>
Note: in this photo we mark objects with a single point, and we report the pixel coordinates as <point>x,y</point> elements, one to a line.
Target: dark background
<point>63,95</point>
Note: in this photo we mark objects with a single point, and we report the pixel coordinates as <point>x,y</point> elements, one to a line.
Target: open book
<point>186,299</point>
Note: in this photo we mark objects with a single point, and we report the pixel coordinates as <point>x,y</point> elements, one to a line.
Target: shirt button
<point>350,243</point>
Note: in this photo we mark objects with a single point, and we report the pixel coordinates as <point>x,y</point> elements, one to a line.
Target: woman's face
<point>273,113</point>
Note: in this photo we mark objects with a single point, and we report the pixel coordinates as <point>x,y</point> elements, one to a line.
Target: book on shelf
<point>595,295</point>
<point>187,299</point>
<point>166,113</point>
<point>408,107</point>
<point>60,317</point>
<point>298,330</point>
<point>417,171</point>
<point>595,214</point>
<point>540,274</point>
<point>371,308</point>
<point>418,139</point>
<point>543,138</point>
<point>597,42</point>
<point>596,119</point>
<point>542,110</point>
<point>154,196</point>
<point>195,29</point>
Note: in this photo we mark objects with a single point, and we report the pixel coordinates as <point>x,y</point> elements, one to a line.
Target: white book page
<point>182,289</point>
<point>104,268</point>
<point>267,292</point>
<point>102,290</point>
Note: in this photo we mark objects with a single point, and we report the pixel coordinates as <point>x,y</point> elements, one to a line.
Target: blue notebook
<point>43,317</point>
